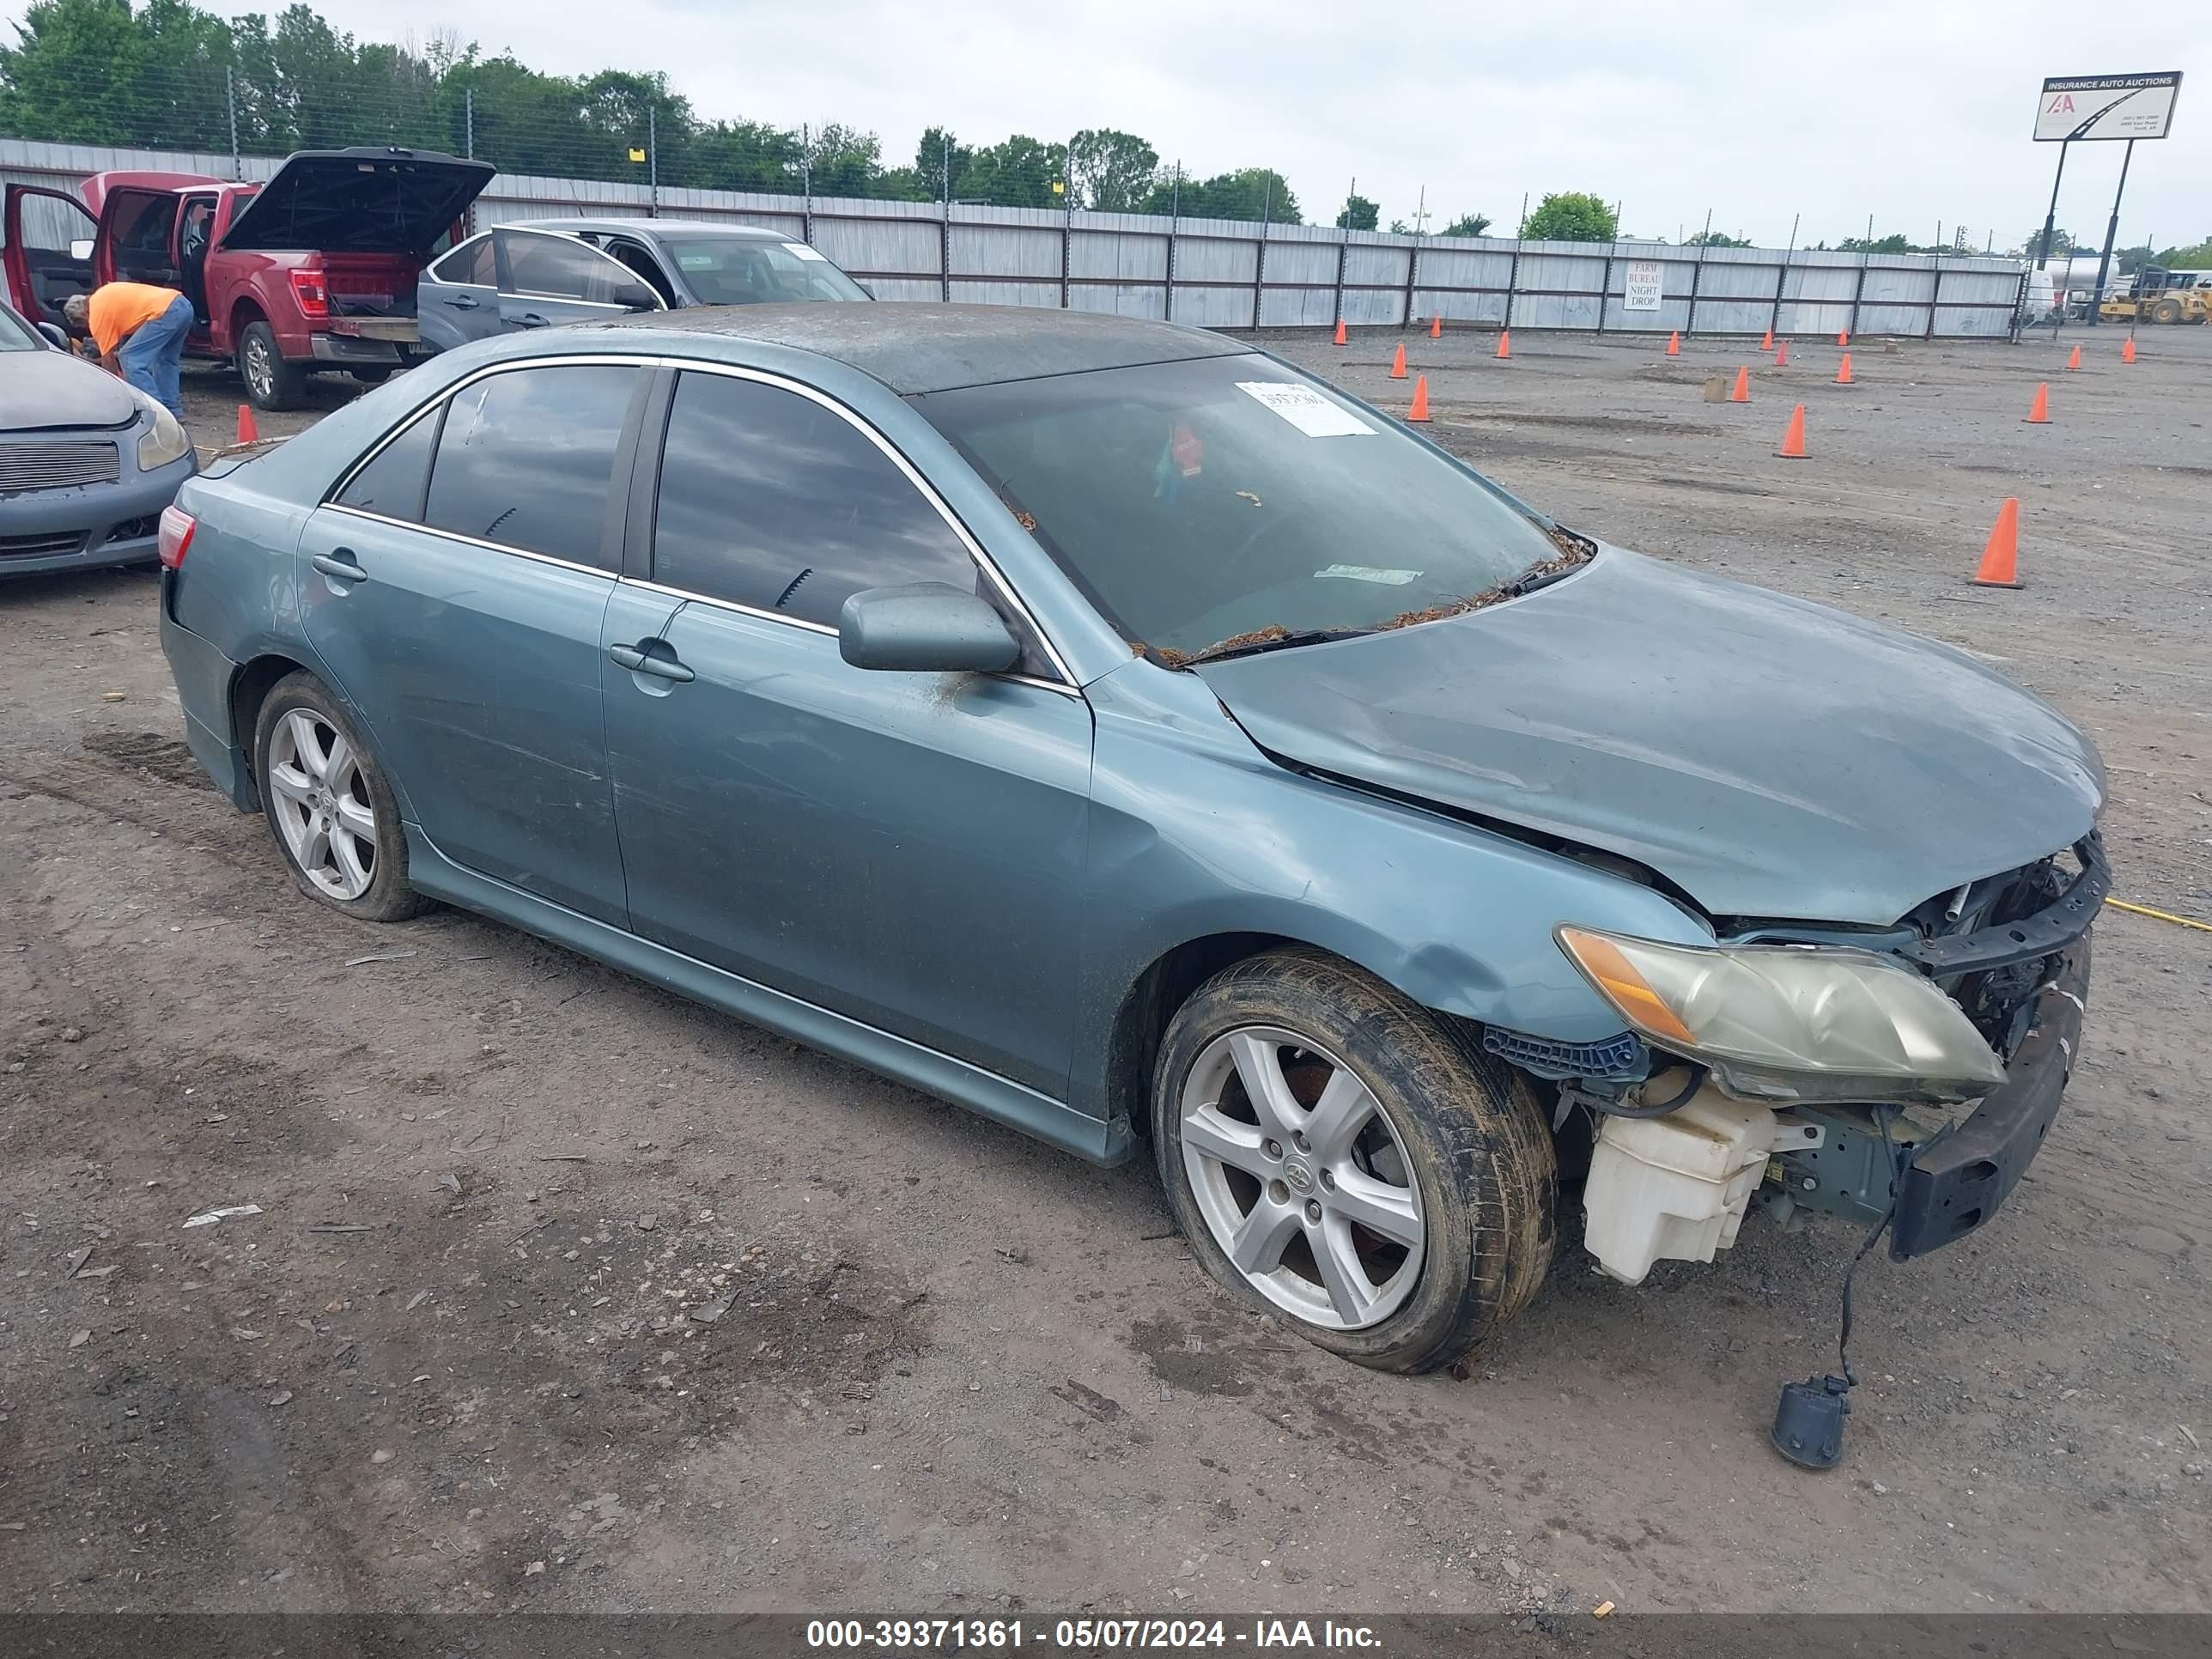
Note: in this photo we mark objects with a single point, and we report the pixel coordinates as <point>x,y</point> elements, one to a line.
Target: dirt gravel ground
<point>564,1294</point>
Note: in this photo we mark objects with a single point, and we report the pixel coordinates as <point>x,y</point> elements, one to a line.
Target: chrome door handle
<point>462,301</point>
<point>532,319</point>
<point>340,566</point>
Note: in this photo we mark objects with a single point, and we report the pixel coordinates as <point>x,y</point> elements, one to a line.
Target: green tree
<point>2196,257</point>
<point>1114,171</point>
<point>1895,243</point>
<point>1017,173</point>
<point>1250,193</point>
<point>846,161</point>
<point>940,159</point>
<point>1360,214</point>
<point>1467,224</point>
<point>1716,239</point>
<point>1570,216</point>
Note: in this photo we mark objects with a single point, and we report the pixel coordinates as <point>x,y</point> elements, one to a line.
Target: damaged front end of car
<point>1905,1079</point>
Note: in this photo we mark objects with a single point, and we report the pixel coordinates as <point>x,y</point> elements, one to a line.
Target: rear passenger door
<point>455,585</point>
<point>546,279</point>
<point>456,299</point>
<point>905,848</point>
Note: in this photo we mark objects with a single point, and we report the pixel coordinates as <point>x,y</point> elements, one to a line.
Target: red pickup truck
<point>314,268</point>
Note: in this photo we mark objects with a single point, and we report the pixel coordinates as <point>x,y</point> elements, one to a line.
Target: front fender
<point>1196,832</point>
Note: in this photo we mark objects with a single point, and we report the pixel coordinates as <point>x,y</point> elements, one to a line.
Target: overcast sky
<point>1914,113</point>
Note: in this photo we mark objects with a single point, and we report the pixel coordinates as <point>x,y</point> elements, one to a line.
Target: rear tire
<point>2166,311</point>
<point>334,817</point>
<point>270,382</point>
<point>1400,1242</point>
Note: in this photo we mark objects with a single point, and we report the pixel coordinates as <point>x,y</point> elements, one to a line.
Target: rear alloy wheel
<point>331,809</point>
<point>270,382</point>
<point>1339,1155</point>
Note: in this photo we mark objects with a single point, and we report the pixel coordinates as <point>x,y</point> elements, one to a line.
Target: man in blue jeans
<point>140,330</point>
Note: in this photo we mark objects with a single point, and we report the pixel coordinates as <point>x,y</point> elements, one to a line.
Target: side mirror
<point>81,249</point>
<point>55,337</point>
<point>927,628</point>
<point>636,296</point>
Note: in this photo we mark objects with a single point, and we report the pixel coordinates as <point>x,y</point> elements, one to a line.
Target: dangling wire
<point>1883,1116</point>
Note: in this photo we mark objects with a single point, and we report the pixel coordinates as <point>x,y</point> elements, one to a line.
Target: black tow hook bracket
<point>1808,1424</point>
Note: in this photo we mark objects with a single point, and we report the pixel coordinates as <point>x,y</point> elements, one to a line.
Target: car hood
<point>358,201</point>
<point>1771,757</point>
<point>40,391</point>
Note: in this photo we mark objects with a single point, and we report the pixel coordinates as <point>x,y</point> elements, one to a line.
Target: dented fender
<point>1201,833</point>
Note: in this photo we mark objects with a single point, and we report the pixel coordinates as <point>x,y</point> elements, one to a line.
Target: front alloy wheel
<point>1339,1155</point>
<point>1301,1179</point>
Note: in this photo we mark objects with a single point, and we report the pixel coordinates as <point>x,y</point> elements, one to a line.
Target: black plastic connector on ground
<point>1808,1424</point>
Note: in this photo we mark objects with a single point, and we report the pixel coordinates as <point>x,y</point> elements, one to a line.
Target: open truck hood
<point>366,200</point>
<point>1771,757</point>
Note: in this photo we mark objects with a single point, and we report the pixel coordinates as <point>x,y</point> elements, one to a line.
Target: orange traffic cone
<point>1419,411</point>
<point>1504,343</point>
<point>1741,394</point>
<point>2073,358</point>
<point>1767,344</point>
<point>2127,349</point>
<point>1340,330</point>
<point>247,432</point>
<point>1674,344</point>
<point>1844,370</point>
<point>2001,558</point>
<point>2038,413</point>
<point>1793,441</point>
<point>1842,337</point>
<point>1782,355</point>
<point>1398,365</point>
<point>1437,327</point>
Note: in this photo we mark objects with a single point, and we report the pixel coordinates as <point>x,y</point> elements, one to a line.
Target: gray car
<point>1109,728</point>
<point>549,271</point>
<point>87,461</point>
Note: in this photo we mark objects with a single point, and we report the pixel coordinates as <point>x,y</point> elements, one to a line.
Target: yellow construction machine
<point>2160,296</point>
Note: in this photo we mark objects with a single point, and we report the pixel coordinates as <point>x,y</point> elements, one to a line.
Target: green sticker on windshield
<point>1368,573</point>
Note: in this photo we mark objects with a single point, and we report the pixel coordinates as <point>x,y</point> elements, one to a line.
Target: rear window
<point>738,271</point>
<point>391,486</point>
<point>527,458</point>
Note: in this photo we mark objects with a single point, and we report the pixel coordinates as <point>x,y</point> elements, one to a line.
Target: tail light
<point>308,289</point>
<point>174,537</point>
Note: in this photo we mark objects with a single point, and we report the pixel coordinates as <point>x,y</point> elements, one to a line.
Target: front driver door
<point>39,240</point>
<point>905,848</point>
<point>460,614</point>
<point>545,279</point>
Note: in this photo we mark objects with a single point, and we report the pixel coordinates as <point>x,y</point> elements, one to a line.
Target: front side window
<point>526,458</point>
<point>1230,501</point>
<point>741,270</point>
<point>770,499</point>
<point>561,268</point>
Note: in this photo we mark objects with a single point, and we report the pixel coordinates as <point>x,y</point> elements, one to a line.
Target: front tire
<point>270,382</point>
<point>1341,1156</point>
<point>335,819</point>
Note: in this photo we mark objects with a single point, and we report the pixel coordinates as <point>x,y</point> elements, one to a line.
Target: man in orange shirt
<point>140,330</point>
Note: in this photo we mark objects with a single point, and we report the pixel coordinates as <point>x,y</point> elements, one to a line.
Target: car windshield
<point>738,271</point>
<point>17,336</point>
<point>1232,503</point>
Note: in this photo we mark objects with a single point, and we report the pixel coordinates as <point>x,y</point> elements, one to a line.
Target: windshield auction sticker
<point>1306,409</point>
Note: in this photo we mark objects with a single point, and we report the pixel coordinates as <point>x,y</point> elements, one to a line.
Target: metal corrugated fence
<point>1228,273</point>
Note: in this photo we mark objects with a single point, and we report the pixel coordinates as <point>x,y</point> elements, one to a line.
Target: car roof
<point>654,227</point>
<point>918,348</point>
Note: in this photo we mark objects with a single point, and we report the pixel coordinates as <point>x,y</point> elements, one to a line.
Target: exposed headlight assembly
<point>1792,1023</point>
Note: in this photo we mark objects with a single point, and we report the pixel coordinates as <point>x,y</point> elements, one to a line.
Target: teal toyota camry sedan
<point>1112,729</point>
